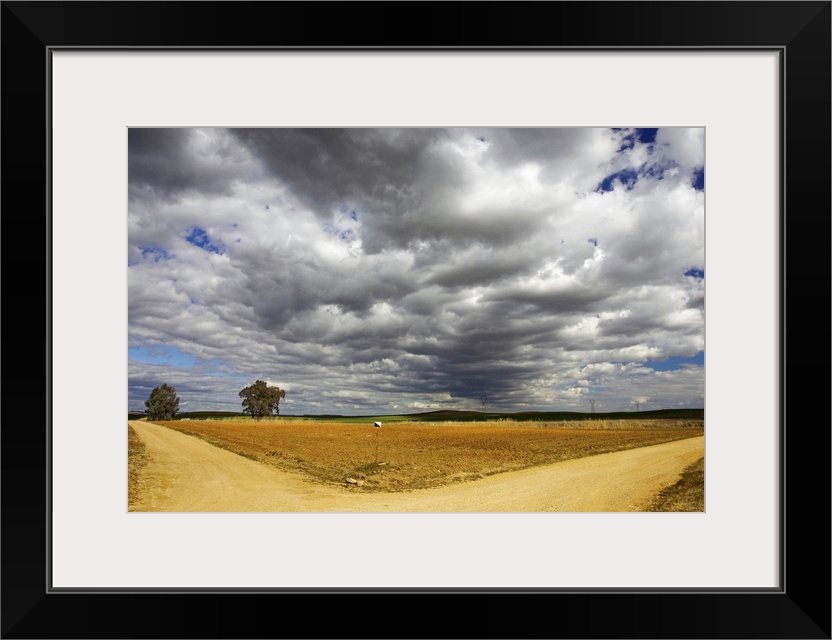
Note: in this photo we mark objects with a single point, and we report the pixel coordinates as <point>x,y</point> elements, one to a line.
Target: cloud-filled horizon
<point>371,271</point>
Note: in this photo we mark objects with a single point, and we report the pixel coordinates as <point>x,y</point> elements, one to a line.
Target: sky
<point>373,271</point>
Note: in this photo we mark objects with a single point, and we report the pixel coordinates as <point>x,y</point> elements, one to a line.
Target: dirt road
<point>187,474</point>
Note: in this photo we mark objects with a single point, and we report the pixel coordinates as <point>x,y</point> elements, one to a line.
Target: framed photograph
<point>735,95</point>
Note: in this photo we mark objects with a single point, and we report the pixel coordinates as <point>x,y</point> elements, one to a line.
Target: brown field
<point>403,456</point>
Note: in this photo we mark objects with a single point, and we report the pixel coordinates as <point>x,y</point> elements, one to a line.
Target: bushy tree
<point>260,400</point>
<point>162,403</point>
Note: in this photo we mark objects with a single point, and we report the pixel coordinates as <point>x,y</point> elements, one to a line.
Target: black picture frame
<point>799,31</point>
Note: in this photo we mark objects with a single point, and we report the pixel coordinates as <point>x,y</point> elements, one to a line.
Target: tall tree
<point>260,399</point>
<point>162,403</point>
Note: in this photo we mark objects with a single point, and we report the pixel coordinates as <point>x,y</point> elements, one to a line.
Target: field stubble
<point>405,456</point>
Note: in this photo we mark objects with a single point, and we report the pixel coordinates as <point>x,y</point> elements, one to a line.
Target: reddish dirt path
<point>188,474</point>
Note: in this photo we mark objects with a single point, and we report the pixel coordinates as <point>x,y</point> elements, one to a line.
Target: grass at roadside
<point>136,460</point>
<point>688,494</point>
<point>405,456</point>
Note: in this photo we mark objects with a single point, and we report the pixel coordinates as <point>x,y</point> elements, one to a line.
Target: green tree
<point>260,400</point>
<point>162,403</point>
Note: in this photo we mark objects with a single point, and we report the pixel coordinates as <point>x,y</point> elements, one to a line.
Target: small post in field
<point>377,426</point>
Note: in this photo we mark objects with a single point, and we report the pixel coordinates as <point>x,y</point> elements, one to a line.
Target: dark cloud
<point>373,172</point>
<point>168,163</point>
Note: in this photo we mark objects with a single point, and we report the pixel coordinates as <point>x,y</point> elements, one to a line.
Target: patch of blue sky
<point>698,179</point>
<point>200,238</point>
<point>646,136</point>
<point>674,363</point>
<point>627,177</point>
<point>171,356</point>
<point>161,355</point>
<point>652,171</point>
<point>695,272</point>
<point>155,253</point>
<point>627,142</point>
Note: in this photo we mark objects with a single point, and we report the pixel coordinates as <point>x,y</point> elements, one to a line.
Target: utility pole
<point>592,404</point>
